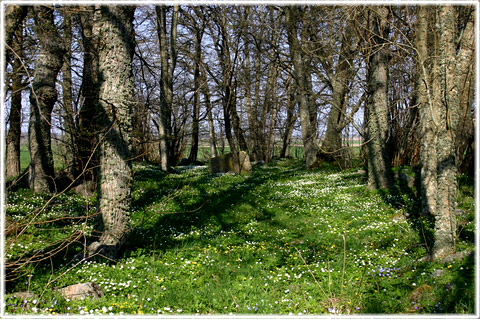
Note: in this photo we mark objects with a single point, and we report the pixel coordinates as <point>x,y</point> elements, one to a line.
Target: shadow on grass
<point>207,208</point>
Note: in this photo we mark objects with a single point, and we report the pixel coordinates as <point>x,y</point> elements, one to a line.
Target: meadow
<point>281,240</point>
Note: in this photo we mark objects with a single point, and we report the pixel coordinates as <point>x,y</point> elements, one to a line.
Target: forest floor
<point>281,240</point>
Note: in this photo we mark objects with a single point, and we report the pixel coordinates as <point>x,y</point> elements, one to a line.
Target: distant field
<point>294,151</point>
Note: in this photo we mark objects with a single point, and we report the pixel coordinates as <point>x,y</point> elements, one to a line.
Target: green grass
<point>25,158</point>
<point>280,240</point>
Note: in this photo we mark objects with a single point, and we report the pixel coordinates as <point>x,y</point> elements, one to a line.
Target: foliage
<point>280,240</point>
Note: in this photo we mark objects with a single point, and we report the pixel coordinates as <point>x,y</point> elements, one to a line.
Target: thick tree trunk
<point>378,159</point>
<point>445,219</point>
<point>68,112</point>
<point>168,60</point>
<point>465,136</point>
<point>301,83</point>
<point>331,148</point>
<point>115,26</point>
<point>427,113</point>
<point>14,15</point>
<point>86,137</point>
<point>14,130</point>
<point>42,99</point>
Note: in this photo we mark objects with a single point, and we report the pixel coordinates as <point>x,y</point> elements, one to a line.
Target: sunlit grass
<point>280,240</point>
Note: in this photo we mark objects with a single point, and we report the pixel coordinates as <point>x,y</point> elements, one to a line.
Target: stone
<point>221,164</point>
<point>83,290</point>
<point>459,256</point>
<point>410,181</point>
<point>244,165</point>
<point>86,189</point>
<point>225,163</point>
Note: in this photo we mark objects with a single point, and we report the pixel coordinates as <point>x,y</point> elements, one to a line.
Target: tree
<point>86,122</point>
<point>14,119</point>
<point>42,99</point>
<point>377,116</point>
<point>198,30</point>
<point>168,60</point>
<point>339,69</point>
<point>116,90</point>
<point>300,76</point>
<point>442,80</point>
<point>67,87</point>
<point>448,112</point>
<point>14,16</point>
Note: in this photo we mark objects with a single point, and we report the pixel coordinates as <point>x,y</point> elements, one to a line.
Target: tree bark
<point>378,160</point>
<point>15,117</point>
<point>445,219</point>
<point>68,112</point>
<point>168,60</point>
<point>86,136</point>
<point>42,99</point>
<point>465,136</point>
<point>196,98</point>
<point>301,83</point>
<point>116,91</point>
<point>331,148</point>
<point>290,121</point>
<point>14,16</point>
<point>208,105</point>
<point>427,114</point>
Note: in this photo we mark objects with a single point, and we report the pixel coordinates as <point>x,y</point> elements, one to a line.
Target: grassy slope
<point>281,240</point>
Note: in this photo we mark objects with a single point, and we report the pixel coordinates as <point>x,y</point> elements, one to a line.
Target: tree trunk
<point>290,121</point>
<point>168,60</point>
<point>378,159</point>
<point>14,15</point>
<point>208,105</point>
<point>301,83</point>
<point>86,137</point>
<point>445,219</point>
<point>42,99</point>
<point>331,148</point>
<point>253,112</point>
<point>251,116</point>
<point>14,130</point>
<point>115,26</point>
<point>427,114</point>
<point>465,136</point>
<point>196,98</point>
<point>68,113</point>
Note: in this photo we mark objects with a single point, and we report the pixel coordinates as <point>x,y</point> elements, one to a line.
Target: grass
<point>280,240</point>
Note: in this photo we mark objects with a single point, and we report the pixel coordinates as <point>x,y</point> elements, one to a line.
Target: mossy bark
<point>14,130</point>
<point>86,135</point>
<point>445,219</point>
<point>115,26</point>
<point>428,115</point>
<point>377,133</point>
<point>42,99</point>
